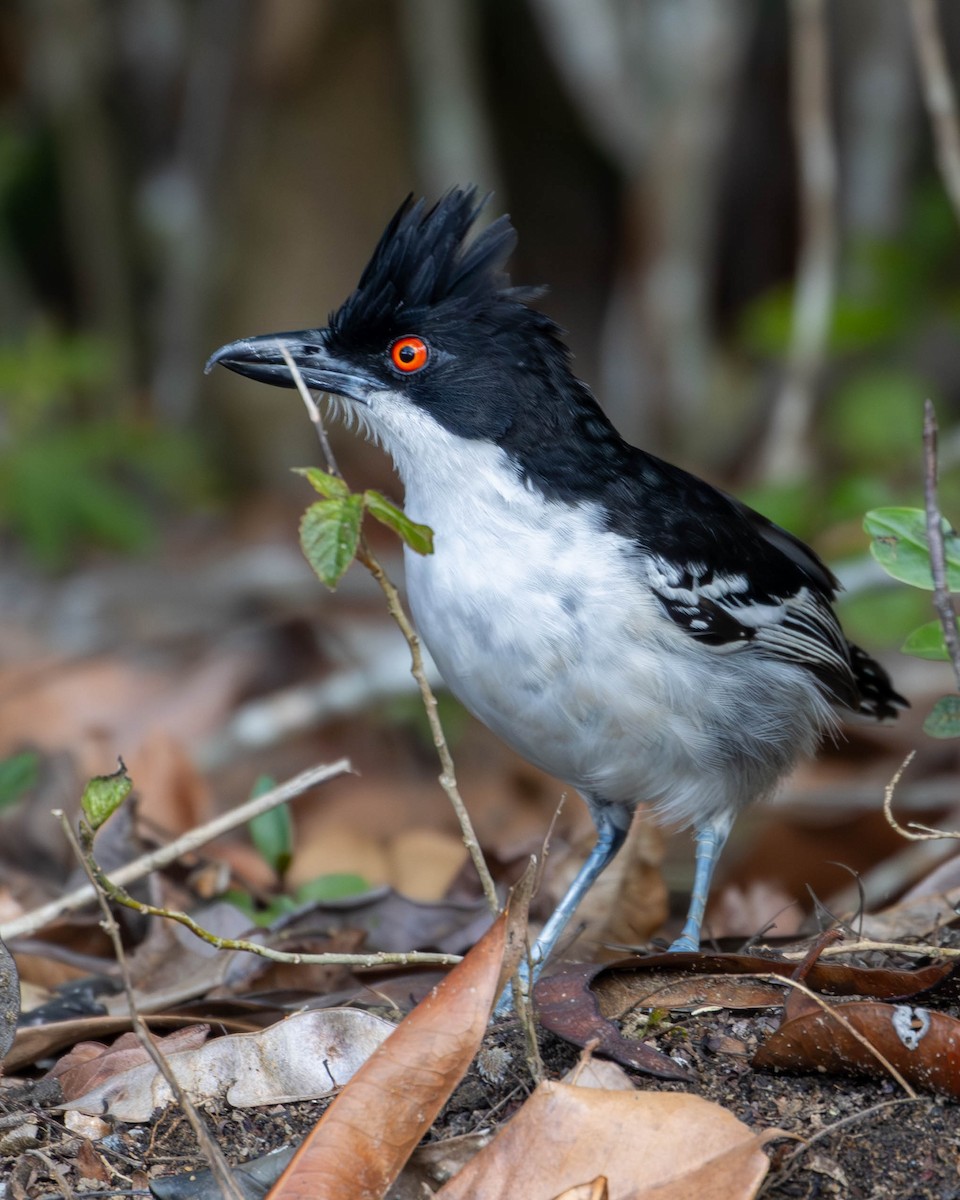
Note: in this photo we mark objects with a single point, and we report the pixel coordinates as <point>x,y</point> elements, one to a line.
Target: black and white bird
<point>622,624</point>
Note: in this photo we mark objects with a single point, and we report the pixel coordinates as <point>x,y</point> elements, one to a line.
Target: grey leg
<point>609,840</point>
<point>710,840</point>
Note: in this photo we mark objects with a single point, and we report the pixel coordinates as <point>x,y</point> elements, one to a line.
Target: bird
<point>625,626</point>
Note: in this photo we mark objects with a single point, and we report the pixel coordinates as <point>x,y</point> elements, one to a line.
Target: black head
<point>435,323</point>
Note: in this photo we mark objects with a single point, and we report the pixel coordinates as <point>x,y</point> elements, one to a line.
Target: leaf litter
<point>909,1148</point>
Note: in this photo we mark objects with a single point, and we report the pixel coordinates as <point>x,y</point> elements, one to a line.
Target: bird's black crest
<point>424,262</point>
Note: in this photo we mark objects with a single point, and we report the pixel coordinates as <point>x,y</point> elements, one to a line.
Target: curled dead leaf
<point>923,1046</point>
<point>367,1135</point>
<point>300,1058</point>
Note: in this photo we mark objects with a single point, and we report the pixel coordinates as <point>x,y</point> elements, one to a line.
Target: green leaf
<point>272,831</point>
<point>331,486</point>
<point>71,483</point>
<point>331,887</point>
<point>900,546</point>
<point>927,642</point>
<point>881,616</point>
<point>104,794</point>
<point>329,536</point>
<point>417,537</point>
<point>18,774</point>
<point>944,718</point>
<point>262,916</point>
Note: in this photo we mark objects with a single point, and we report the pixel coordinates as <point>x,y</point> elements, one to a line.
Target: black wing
<point>732,579</point>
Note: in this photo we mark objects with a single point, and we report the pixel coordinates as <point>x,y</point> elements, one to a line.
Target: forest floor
<point>209,668</point>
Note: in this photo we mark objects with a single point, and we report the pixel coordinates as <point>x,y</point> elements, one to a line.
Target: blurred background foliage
<point>178,173</point>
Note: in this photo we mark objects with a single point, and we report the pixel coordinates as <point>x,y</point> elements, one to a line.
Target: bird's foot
<point>684,943</point>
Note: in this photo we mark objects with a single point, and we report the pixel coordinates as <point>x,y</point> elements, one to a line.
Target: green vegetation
<point>900,545</point>
<point>70,480</point>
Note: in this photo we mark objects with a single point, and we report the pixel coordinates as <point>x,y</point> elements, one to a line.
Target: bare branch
<point>870,945</point>
<point>834,1012</point>
<point>379,958</point>
<point>211,1149</point>
<point>192,840</point>
<point>938,94</point>
<point>448,776</point>
<point>914,832</point>
<point>942,601</point>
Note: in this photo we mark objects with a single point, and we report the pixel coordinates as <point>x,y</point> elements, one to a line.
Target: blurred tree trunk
<point>787,451</point>
<point>878,116</point>
<point>70,43</point>
<point>180,202</point>
<point>453,140</point>
<point>655,80</point>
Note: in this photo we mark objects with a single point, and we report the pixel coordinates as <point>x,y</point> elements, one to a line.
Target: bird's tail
<point>878,699</point>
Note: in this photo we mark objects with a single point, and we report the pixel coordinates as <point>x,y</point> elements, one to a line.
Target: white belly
<point>518,646</point>
<point>539,624</point>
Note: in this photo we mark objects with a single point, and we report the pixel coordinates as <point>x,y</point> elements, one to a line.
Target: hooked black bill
<point>261,358</point>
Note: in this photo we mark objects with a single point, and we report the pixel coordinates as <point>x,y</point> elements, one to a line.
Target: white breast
<point>541,624</point>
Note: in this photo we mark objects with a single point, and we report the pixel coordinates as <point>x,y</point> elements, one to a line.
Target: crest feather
<point>423,262</point>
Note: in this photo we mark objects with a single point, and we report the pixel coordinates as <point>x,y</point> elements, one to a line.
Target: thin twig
<point>218,1164</point>
<point>942,600</point>
<point>915,831</point>
<point>938,94</point>
<point>866,946</point>
<point>448,777</point>
<point>833,1012</point>
<point>55,1169</point>
<point>32,921</point>
<point>786,447</point>
<point>378,958</point>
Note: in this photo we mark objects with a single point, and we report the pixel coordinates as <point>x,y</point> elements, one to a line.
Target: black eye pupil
<point>407,354</point>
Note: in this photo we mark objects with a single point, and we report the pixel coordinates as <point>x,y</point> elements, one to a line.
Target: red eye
<point>409,354</point>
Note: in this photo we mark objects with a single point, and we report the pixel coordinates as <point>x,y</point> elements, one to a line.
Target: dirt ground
<point>856,1138</point>
<point>862,1139</point>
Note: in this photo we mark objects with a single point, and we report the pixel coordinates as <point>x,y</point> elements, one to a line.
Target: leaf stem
<point>448,776</point>
<point>192,840</point>
<point>219,1166</point>
<point>942,601</point>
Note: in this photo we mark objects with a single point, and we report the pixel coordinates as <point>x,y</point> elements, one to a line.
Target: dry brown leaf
<point>622,991</point>
<point>595,1190</point>
<point>567,1006</point>
<point>173,795</point>
<point>303,1057</point>
<point>600,1073</point>
<point>919,917</point>
<point>341,848</point>
<point>90,1064</point>
<point>91,706</point>
<point>90,1166</point>
<point>923,1046</point>
<point>647,1145</point>
<point>91,1129</point>
<point>424,862</point>
<point>369,1132</point>
<point>761,904</point>
<point>34,1042</point>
